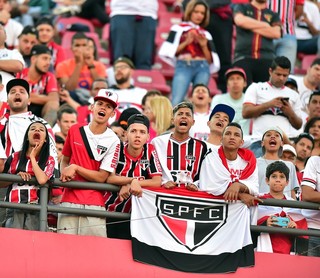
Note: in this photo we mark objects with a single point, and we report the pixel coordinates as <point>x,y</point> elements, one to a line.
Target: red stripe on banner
<point>178,227</point>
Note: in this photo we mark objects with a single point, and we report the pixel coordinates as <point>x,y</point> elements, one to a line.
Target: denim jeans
<point>133,36</point>
<point>311,46</point>
<point>287,46</point>
<point>186,72</point>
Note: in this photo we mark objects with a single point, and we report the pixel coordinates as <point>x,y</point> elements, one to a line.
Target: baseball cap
<point>18,82</point>
<point>107,95</point>
<point>289,148</point>
<point>44,20</point>
<point>291,81</point>
<point>29,30</point>
<point>236,70</point>
<point>125,115</point>
<point>40,49</point>
<point>124,60</point>
<point>139,119</point>
<point>223,108</point>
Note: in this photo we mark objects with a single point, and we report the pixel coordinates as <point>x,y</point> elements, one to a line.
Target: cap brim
<point>18,82</point>
<point>225,109</point>
<point>114,104</point>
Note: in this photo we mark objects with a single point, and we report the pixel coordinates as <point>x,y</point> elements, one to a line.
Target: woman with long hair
<point>159,112</point>
<point>313,128</point>
<point>33,160</point>
<point>189,47</point>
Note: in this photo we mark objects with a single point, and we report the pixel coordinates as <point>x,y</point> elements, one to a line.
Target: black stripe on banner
<point>86,142</point>
<point>223,263</point>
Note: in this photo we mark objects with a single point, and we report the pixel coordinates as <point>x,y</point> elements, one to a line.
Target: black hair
<point>282,62</point>
<point>236,125</point>
<point>314,93</point>
<point>279,166</point>
<point>43,155</point>
<point>315,62</point>
<point>65,109</point>
<point>304,135</point>
<point>78,36</point>
<point>150,93</point>
<point>95,50</point>
<point>0,79</point>
<point>59,139</point>
<point>310,123</point>
<point>200,85</point>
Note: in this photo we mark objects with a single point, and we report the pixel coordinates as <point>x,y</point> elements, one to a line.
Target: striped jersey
<point>145,166</point>
<point>22,192</point>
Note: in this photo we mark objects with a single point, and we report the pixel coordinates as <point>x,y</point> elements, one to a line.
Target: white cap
<point>289,148</point>
<point>107,95</point>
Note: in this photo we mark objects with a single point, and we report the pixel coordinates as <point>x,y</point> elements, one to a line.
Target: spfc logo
<point>190,159</point>
<point>144,164</point>
<point>190,221</point>
<point>101,149</point>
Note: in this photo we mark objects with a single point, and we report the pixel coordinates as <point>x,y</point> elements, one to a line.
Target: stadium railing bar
<point>44,208</point>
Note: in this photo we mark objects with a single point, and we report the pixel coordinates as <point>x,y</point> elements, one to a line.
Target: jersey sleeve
<point>110,161</point>
<point>52,85</point>
<point>155,167</point>
<point>251,94</point>
<point>49,169</point>
<point>310,173</point>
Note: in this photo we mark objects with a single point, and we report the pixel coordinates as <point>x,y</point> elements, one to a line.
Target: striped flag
<point>190,231</point>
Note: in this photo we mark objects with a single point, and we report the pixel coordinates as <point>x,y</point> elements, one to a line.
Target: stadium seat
<point>166,70</point>
<point>63,23</point>
<point>67,37</point>
<point>307,61</point>
<point>162,33</point>
<point>151,80</point>
<point>212,87</point>
<point>105,32</point>
<point>167,19</point>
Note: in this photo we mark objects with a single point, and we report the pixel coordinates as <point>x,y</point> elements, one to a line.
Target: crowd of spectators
<point>68,113</point>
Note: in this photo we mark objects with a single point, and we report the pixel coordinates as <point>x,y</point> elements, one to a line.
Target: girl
<point>313,128</point>
<point>33,160</point>
<point>189,47</point>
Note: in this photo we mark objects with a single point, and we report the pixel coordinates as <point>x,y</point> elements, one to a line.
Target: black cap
<point>44,20</point>
<point>40,49</point>
<point>18,82</point>
<point>292,82</point>
<point>223,108</point>
<point>29,30</point>
<point>125,115</point>
<point>139,119</point>
<point>124,60</point>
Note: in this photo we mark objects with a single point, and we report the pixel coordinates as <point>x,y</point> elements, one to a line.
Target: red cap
<point>236,70</point>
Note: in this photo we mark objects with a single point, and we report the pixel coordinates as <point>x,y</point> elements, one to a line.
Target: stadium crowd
<point>244,87</point>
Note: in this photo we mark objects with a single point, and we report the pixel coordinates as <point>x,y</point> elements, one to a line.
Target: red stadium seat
<point>105,32</point>
<point>151,80</point>
<point>307,61</point>
<point>64,22</point>
<point>166,70</point>
<point>67,37</point>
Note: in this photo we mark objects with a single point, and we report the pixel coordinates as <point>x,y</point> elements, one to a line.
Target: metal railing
<point>44,208</point>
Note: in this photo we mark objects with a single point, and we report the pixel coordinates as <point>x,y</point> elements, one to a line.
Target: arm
<point>65,96</point>
<point>250,110</point>
<point>43,99</point>
<point>293,118</point>
<point>310,195</point>
<point>298,10</point>
<point>72,82</point>
<point>312,29</point>
<point>40,175</point>
<point>11,66</point>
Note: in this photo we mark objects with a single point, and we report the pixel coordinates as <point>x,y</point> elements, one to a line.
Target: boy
<point>138,167</point>
<point>90,153</point>
<point>277,177</point>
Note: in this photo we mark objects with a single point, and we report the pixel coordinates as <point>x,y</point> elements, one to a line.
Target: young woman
<point>159,112</point>
<point>313,128</point>
<point>189,48</point>
<point>33,160</point>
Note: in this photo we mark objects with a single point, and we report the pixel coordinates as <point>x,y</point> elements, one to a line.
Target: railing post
<point>44,193</point>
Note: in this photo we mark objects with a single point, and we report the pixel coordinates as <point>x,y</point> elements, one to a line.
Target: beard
<point>39,71</point>
<point>121,80</point>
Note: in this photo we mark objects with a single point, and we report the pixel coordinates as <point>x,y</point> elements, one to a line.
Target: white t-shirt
<point>259,93</point>
<point>236,104</point>
<point>200,129</point>
<point>304,92</point>
<point>13,29</point>
<point>6,54</point>
<point>312,12</point>
<point>134,7</point>
<point>311,177</point>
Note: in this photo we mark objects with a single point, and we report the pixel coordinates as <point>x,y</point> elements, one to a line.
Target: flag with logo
<point>190,231</point>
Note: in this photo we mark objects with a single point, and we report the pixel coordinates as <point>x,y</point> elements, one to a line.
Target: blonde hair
<point>190,8</point>
<point>161,108</point>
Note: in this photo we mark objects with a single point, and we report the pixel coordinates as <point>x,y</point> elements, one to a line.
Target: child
<point>277,177</point>
<point>33,160</point>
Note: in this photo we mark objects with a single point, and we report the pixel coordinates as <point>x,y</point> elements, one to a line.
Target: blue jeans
<point>287,46</point>
<point>195,71</point>
<point>314,246</point>
<point>311,46</point>
<point>133,36</point>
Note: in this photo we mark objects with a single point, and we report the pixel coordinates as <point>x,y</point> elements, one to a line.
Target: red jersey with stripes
<point>22,192</point>
<point>93,152</point>
<point>286,11</point>
<point>143,167</point>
